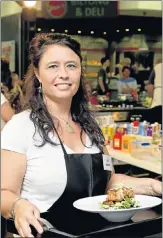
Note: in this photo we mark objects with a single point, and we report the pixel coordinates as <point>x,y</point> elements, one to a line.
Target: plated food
<point>119,205</point>
<point>120,198</point>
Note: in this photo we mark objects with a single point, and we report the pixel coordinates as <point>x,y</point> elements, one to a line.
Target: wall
<point>11,28</point>
<point>141,8</point>
<point>9,8</point>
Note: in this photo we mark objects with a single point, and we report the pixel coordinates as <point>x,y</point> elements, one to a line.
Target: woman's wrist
<point>12,211</point>
<point>156,187</point>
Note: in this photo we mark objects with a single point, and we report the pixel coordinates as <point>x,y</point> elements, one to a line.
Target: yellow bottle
<point>105,133</point>
<point>126,143</point>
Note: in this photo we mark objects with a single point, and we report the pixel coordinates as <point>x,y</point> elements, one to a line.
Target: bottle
<point>135,127</point>
<point>149,131</point>
<point>141,129</point>
<point>145,123</point>
<point>125,129</point>
<point>117,141</point>
<point>126,143</point>
<point>129,128</point>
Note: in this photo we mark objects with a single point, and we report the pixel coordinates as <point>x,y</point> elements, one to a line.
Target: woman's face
<point>59,72</point>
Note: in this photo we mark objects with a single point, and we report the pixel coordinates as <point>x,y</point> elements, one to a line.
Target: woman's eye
<point>71,66</point>
<point>52,66</point>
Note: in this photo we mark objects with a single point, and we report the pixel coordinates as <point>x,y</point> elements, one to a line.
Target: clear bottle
<point>129,128</point>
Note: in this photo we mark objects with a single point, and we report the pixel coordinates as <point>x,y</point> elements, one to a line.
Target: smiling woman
<point>54,148</point>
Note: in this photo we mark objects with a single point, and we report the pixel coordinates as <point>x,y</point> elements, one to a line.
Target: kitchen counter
<point>148,164</point>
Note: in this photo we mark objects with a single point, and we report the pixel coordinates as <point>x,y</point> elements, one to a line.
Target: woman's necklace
<point>70,129</point>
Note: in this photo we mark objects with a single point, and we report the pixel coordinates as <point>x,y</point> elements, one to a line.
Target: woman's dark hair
<point>6,78</point>
<point>33,99</point>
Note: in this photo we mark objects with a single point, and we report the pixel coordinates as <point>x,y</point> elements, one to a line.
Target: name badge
<point>107,162</point>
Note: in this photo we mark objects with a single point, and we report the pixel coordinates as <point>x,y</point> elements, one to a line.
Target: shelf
<point>93,65</point>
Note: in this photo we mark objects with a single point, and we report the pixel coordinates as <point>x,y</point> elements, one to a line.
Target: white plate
<point>92,204</point>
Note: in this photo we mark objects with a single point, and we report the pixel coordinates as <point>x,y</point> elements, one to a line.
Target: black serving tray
<point>144,223</point>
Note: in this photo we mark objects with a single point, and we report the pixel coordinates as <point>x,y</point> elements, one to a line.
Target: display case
<point>93,49</point>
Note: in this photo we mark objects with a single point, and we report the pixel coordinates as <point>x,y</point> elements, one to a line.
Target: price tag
<point>107,162</point>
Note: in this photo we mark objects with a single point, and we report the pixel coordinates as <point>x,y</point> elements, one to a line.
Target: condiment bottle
<point>117,141</point>
<point>135,127</point>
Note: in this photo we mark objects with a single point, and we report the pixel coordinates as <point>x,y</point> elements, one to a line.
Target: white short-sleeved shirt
<point>3,100</point>
<point>45,178</point>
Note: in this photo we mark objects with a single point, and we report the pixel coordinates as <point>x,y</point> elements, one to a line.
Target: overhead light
<point>139,29</point>
<point>127,29</point>
<point>30,3</point>
<point>66,31</point>
<point>38,29</point>
<point>104,33</point>
<point>79,32</point>
<point>117,30</point>
<point>92,32</point>
<point>52,30</point>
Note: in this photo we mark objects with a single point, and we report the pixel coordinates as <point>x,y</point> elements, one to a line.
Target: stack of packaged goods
<point>108,127</point>
<point>140,139</point>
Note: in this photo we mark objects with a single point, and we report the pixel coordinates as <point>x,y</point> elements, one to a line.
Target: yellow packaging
<point>126,143</point>
<point>110,132</point>
<point>105,132</point>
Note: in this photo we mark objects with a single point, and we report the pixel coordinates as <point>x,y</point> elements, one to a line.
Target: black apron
<point>85,177</point>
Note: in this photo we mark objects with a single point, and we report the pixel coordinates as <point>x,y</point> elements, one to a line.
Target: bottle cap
<point>136,123</point>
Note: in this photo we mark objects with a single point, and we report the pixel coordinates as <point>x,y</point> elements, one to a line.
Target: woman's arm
<point>13,168</point>
<point>146,186</point>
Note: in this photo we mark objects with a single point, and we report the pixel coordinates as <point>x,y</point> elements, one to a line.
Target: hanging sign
<point>79,9</point>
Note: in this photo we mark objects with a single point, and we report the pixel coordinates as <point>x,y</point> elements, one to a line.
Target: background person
<point>10,88</point>
<point>126,84</point>
<point>123,63</point>
<point>6,111</point>
<point>92,95</point>
<point>154,89</point>
<point>102,78</point>
<point>54,148</point>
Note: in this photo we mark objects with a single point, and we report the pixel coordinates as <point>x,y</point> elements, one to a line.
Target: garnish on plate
<point>119,198</point>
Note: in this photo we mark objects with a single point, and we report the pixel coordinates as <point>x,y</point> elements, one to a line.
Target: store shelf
<point>93,65</point>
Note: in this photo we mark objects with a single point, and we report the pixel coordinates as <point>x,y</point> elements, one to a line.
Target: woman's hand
<point>27,214</point>
<point>156,188</point>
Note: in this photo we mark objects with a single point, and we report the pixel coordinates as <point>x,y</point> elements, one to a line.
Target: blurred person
<point>127,84</point>
<point>6,111</point>
<point>16,80</point>
<point>16,91</point>
<point>10,88</point>
<point>154,89</point>
<point>92,95</point>
<point>54,149</point>
<point>123,63</point>
<point>102,77</point>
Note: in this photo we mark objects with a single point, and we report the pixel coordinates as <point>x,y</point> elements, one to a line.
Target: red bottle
<point>117,141</point>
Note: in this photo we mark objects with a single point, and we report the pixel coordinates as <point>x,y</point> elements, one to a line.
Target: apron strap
<point>63,148</point>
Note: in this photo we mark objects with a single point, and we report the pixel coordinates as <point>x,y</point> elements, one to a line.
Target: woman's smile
<point>63,86</point>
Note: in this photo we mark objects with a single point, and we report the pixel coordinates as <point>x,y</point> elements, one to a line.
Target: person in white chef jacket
<point>154,89</point>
